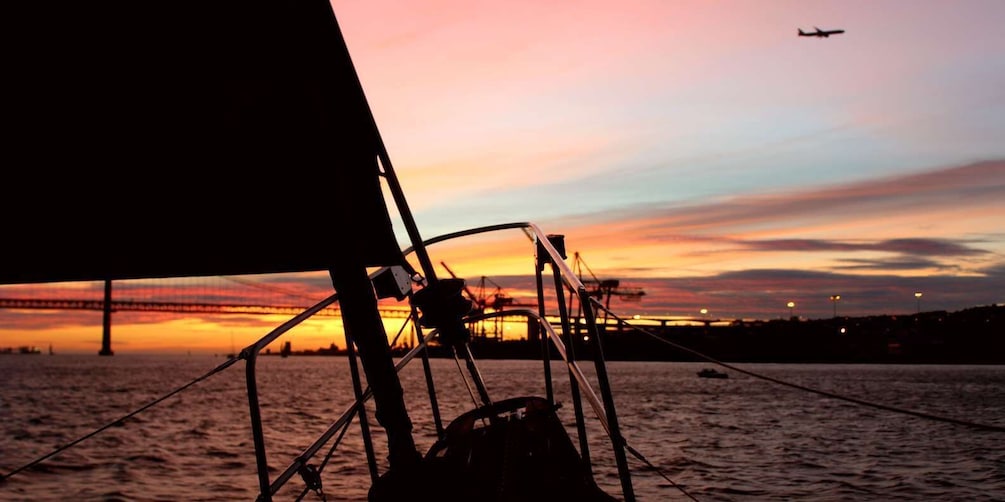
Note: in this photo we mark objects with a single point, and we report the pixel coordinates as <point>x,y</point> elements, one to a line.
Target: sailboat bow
<point>188,139</point>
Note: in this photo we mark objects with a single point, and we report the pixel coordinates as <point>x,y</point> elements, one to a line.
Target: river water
<point>735,439</point>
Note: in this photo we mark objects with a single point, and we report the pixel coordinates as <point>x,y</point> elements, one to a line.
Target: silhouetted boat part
<point>712,373</point>
<point>261,155</point>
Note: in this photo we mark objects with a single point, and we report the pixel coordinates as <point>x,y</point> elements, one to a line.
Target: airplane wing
<point>819,33</point>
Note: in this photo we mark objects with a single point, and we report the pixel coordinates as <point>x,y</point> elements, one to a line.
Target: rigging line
<point>467,384</point>
<point>400,331</point>
<point>119,421</point>
<point>352,413</point>
<point>987,427</point>
<point>341,434</point>
<point>331,451</point>
<point>346,416</point>
<point>309,452</point>
<point>641,457</point>
<point>464,378</point>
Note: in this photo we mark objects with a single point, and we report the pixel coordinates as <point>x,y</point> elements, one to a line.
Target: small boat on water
<point>712,373</point>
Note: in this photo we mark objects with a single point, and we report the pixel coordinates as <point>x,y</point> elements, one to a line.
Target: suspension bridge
<point>273,295</point>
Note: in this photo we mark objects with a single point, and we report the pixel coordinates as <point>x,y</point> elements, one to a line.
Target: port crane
<point>603,289</point>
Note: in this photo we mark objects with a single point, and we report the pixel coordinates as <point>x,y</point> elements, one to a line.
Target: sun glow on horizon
<point>699,150</point>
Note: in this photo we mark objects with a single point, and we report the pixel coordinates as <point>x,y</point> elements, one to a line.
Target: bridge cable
<point>987,427</point>
<point>119,421</point>
<point>272,289</point>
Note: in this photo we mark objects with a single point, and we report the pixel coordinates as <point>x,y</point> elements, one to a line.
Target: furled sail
<point>185,138</point>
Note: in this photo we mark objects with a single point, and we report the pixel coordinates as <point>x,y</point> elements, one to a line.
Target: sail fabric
<point>185,138</point>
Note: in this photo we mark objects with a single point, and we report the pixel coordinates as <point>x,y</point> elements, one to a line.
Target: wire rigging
<point>331,451</point>
<point>987,427</point>
<point>663,475</point>
<point>226,364</point>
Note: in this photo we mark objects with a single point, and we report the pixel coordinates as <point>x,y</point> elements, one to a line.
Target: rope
<point>987,427</point>
<point>331,451</point>
<point>119,421</point>
<point>639,456</point>
<point>467,384</point>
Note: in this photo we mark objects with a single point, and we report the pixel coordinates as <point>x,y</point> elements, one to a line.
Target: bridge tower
<point>106,323</point>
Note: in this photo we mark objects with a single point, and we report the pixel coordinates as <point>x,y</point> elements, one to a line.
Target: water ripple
<point>739,439</point>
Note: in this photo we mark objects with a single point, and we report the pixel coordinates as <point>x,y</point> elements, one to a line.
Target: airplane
<point>819,33</point>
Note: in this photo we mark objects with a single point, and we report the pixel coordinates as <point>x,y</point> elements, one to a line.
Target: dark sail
<point>161,139</point>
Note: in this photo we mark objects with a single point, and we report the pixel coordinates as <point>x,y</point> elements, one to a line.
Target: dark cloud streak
<point>950,188</point>
<point>923,247</point>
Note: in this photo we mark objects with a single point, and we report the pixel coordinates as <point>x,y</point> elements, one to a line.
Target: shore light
<point>917,295</point>
<point>834,300</point>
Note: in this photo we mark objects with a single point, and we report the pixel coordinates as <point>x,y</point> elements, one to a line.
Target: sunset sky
<point>698,149</point>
